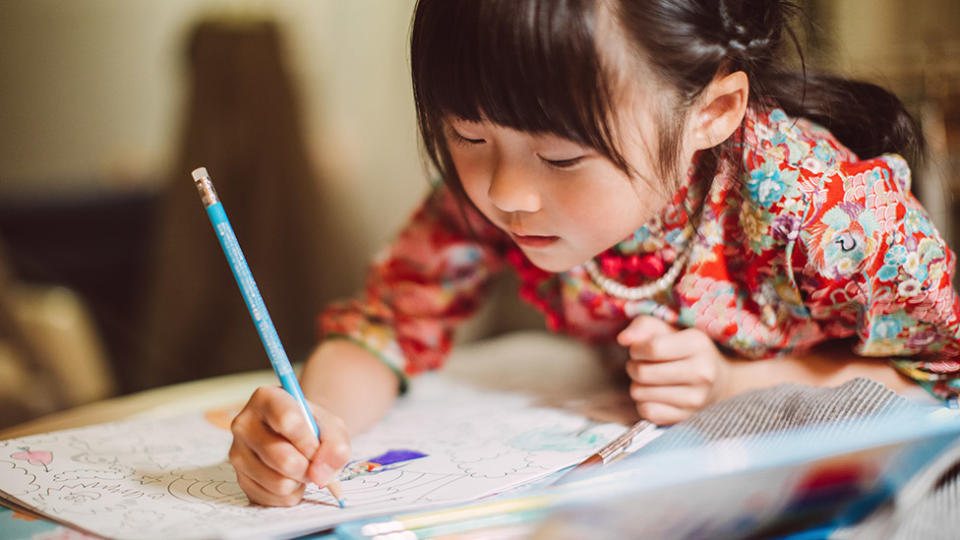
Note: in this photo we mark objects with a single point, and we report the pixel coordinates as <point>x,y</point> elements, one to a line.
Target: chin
<point>551,264</point>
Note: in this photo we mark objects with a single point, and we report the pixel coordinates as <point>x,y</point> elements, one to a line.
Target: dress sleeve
<point>873,265</point>
<point>419,287</point>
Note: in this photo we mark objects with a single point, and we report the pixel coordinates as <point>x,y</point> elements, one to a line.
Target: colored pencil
<point>254,301</point>
<point>512,511</point>
<point>614,448</point>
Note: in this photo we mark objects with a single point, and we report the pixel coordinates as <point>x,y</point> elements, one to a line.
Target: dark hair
<point>534,65</point>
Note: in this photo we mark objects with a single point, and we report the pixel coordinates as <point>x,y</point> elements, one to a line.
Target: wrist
<point>745,374</point>
<point>734,375</point>
<point>336,373</point>
<point>825,366</point>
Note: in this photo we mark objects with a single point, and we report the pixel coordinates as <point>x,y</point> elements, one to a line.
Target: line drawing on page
<point>445,442</point>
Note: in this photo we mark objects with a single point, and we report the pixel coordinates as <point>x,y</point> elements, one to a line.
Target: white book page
<point>445,442</point>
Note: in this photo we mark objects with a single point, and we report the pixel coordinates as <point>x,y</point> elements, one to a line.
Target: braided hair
<point>691,41</point>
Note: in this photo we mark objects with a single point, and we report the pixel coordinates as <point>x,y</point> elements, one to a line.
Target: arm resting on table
<point>828,365</point>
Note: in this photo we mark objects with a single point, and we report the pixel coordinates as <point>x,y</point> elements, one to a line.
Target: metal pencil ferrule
<point>207,194</point>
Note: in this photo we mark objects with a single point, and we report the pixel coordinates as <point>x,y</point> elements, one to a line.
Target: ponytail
<point>866,118</point>
<point>690,41</point>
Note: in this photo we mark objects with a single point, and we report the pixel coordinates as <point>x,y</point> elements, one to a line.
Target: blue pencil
<point>253,299</point>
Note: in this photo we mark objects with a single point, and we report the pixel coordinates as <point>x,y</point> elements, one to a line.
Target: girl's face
<point>562,203</point>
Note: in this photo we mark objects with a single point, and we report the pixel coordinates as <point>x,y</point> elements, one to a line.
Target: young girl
<point>659,181</point>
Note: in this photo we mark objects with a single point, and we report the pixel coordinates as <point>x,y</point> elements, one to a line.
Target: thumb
<point>643,328</point>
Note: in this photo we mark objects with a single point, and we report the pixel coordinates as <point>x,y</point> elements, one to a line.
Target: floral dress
<point>788,239</point>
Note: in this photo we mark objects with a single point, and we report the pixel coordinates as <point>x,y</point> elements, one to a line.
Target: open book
<point>763,486</point>
<point>444,442</point>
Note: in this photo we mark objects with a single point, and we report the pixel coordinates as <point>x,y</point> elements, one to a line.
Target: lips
<point>533,240</point>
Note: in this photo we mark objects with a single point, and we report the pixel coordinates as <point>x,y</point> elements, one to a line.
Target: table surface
<point>557,370</point>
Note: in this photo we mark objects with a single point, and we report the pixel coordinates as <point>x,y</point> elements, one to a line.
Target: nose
<point>513,190</point>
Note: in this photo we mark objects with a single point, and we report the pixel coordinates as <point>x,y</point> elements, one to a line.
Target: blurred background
<point>111,280</point>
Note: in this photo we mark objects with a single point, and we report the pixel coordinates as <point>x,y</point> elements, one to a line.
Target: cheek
<point>472,178</point>
<point>476,190</point>
<point>612,216</point>
<point>609,207</point>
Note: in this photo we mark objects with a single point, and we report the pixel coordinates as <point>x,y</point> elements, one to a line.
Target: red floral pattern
<point>796,241</point>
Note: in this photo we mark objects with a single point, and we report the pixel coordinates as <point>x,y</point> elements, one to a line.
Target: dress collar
<point>668,230</point>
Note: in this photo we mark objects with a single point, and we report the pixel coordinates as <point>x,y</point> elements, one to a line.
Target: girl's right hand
<point>275,452</point>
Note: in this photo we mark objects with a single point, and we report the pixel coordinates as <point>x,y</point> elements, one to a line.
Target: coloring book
<point>444,442</point>
<point>812,480</point>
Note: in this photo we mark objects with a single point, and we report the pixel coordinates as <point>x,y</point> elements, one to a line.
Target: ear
<point>720,110</point>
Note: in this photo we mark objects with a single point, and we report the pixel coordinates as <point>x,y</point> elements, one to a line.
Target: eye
<point>562,163</point>
<point>460,139</point>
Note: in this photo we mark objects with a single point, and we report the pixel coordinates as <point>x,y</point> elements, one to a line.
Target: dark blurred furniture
<point>93,243</point>
<point>242,122</point>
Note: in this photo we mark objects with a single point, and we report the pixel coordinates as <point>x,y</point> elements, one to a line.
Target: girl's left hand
<point>674,373</point>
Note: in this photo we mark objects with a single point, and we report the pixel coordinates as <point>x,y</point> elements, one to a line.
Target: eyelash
<point>558,163</point>
<point>562,163</point>
<point>460,139</point>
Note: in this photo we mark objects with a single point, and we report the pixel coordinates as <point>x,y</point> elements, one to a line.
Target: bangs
<point>528,65</point>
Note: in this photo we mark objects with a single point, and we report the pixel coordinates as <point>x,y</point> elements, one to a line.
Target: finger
<point>249,463</point>
<point>686,397</point>
<point>250,427</point>
<point>281,412</point>
<point>334,450</point>
<point>272,450</point>
<point>258,495</point>
<point>673,346</point>
<point>677,372</point>
<point>662,414</point>
<point>643,328</point>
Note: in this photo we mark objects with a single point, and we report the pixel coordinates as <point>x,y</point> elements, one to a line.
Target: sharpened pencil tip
<point>337,491</point>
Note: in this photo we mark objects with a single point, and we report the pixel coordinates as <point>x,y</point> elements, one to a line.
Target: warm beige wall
<point>91,95</point>
<point>888,37</point>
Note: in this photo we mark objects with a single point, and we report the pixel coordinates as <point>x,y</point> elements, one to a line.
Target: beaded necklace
<point>647,290</point>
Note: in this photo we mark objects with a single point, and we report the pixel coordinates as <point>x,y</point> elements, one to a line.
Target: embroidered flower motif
<point>765,185</point>
<point>929,250</point>
<point>785,228</point>
<point>919,340</point>
<point>814,165</point>
<point>763,131</point>
<point>900,169</point>
<point>753,224</point>
<point>909,288</point>
<point>844,267</point>
<point>913,266</point>
<point>710,232</point>
<point>916,222</point>
<point>895,256</point>
<point>888,272</point>
<point>935,272</point>
<point>824,151</point>
<point>886,327</point>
